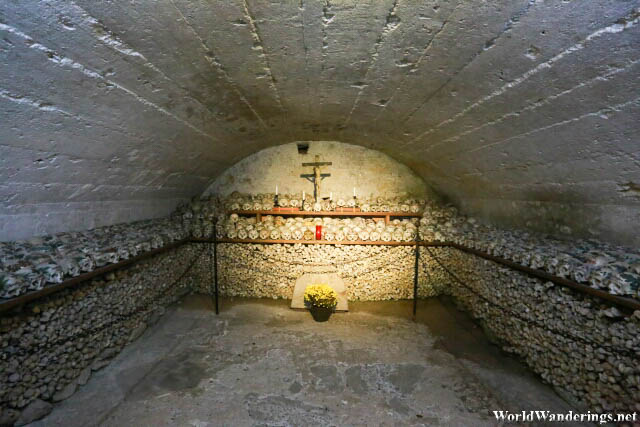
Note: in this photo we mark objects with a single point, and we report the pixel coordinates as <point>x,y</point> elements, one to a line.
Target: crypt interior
<point>374,212</point>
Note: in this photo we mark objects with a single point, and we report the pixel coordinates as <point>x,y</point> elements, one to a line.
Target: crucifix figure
<point>316,176</point>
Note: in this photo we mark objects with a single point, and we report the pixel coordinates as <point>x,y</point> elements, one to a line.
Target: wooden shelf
<point>311,242</point>
<point>327,213</point>
<point>343,213</point>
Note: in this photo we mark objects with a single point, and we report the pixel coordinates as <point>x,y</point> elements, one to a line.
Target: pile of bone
<point>333,229</point>
<point>30,265</point>
<point>270,271</point>
<point>236,201</point>
<point>602,372</point>
<point>198,216</point>
<point>612,268</point>
<point>51,347</point>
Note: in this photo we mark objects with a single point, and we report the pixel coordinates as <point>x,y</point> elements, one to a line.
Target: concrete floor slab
<point>260,363</point>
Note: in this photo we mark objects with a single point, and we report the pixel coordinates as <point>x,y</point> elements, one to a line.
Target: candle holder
<point>355,203</point>
<point>275,201</point>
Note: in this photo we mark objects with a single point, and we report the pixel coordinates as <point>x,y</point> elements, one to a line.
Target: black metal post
<point>211,290</point>
<point>415,280</point>
<point>215,270</point>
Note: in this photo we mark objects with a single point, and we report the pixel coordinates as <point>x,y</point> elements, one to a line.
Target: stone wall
<point>371,172</point>
<point>370,273</point>
<point>49,347</point>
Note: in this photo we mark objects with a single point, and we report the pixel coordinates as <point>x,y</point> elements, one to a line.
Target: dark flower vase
<point>320,314</point>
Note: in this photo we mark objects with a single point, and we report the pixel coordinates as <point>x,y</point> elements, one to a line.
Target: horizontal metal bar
<point>23,299</point>
<point>289,212</point>
<point>622,301</point>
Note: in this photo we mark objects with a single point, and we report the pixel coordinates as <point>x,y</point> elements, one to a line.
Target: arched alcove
<point>370,172</point>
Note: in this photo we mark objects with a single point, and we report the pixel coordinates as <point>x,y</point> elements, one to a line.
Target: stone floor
<point>260,363</point>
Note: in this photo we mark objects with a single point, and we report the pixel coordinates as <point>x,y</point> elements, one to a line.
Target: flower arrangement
<point>320,296</point>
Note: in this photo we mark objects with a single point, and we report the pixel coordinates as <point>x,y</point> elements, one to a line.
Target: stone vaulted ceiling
<point>524,112</point>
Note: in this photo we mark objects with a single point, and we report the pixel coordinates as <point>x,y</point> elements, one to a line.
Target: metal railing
<point>628,303</point>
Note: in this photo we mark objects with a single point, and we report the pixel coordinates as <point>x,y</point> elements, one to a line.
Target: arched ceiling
<point>524,112</point>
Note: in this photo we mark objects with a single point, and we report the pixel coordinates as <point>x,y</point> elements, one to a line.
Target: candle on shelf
<point>354,191</point>
<point>330,196</point>
<point>276,189</point>
<point>303,194</point>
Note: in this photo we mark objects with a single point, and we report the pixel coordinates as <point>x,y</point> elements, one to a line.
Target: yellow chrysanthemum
<point>320,296</point>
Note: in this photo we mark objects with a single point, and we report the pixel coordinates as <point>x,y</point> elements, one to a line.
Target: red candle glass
<point>318,232</point>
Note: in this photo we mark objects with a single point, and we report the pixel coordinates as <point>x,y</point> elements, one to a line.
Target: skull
<point>409,235</point>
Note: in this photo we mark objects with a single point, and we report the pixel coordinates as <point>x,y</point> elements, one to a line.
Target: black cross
<point>311,177</point>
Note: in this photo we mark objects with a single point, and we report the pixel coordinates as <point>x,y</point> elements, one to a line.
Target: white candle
<point>354,191</point>
<point>276,189</point>
<point>303,194</point>
<point>331,196</point>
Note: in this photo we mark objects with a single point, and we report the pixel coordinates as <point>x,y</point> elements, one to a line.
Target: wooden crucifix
<point>316,176</point>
